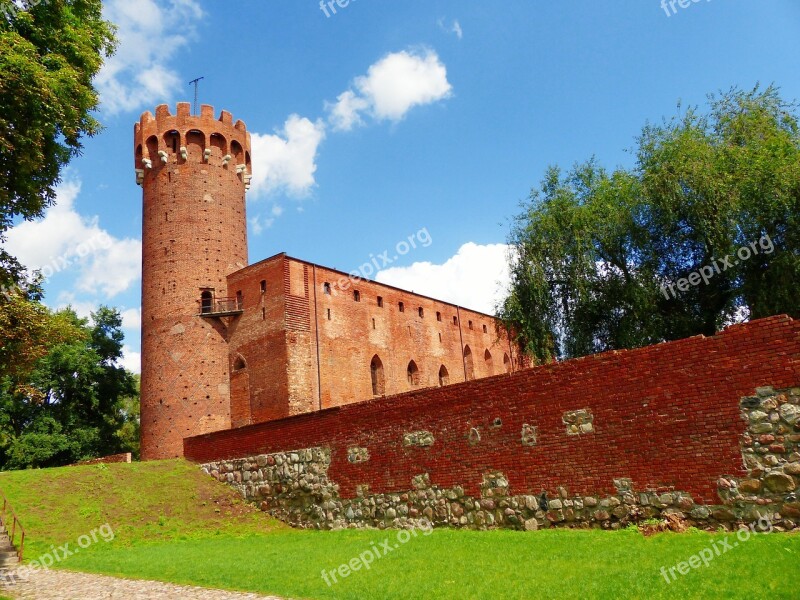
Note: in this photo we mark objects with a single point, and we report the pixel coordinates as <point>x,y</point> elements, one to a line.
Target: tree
<point>80,403</point>
<point>704,230</point>
<point>49,53</point>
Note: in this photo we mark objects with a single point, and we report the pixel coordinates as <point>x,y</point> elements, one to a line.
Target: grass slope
<point>173,524</point>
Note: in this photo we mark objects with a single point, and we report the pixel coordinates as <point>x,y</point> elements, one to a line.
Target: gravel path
<point>66,585</point>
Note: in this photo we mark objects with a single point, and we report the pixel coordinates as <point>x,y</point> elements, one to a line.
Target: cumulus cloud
<point>392,86</point>
<point>477,277</point>
<point>131,359</point>
<point>286,160</point>
<point>149,36</point>
<point>65,241</point>
<point>132,318</point>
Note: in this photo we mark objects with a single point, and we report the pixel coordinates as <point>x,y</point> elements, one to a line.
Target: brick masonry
<point>309,336</point>
<point>708,427</point>
<point>193,171</point>
<point>294,344</point>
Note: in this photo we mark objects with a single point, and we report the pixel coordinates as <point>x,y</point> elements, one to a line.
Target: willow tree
<point>701,232</point>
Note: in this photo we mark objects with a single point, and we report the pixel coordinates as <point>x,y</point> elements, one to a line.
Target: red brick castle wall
<point>667,417</point>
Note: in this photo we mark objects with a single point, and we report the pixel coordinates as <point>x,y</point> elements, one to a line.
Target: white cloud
<point>131,360</point>
<point>132,319</point>
<point>150,34</point>
<point>286,160</point>
<point>65,241</point>
<point>392,86</point>
<point>455,28</point>
<point>477,277</point>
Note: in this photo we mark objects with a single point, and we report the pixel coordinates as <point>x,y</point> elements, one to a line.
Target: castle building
<point>225,344</point>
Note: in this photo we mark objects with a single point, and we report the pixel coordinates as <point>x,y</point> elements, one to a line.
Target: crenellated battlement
<point>183,137</point>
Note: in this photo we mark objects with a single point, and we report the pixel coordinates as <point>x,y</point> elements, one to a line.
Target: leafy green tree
<point>49,52</point>
<point>600,259</point>
<point>80,407</point>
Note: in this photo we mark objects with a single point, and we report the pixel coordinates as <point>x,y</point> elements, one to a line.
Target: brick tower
<point>194,171</point>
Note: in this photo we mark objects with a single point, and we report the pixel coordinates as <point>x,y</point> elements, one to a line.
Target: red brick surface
<point>306,349</point>
<point>193,236</point>
<point>665,416</point>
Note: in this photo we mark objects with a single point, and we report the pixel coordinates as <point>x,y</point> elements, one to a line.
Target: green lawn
<point>187,541</point>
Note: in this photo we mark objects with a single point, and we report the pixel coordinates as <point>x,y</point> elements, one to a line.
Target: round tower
<point>194,171</point>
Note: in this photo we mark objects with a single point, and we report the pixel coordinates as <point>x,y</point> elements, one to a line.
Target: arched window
<point>196,144</point>
<point>376,373</point>
<point>468,366</point>
<point>206,302</point>
<point>171,140</point>
<point>487,358</point>
<point>413,374</point>
<point>152,149</point>
<point>444,376</point>
<point>506,363</point>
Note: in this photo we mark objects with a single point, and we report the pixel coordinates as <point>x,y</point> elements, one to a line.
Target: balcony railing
<point>220,307</point>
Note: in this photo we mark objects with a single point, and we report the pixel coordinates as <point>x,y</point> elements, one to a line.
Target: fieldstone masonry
<point>294,486</point>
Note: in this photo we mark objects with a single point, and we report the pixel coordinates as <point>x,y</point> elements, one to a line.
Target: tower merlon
<point>166,138</point>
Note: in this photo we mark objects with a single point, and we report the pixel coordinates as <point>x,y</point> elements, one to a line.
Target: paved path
<point>66,585</point>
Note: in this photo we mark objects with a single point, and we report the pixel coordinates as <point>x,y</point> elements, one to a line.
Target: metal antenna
<point>196,82</point>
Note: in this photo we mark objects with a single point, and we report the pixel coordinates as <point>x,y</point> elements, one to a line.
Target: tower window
<point>401,307</point>
<point>380,301</point>
<point>357,296</point>
<point>470,324</point>
<point>438,316</point>
<point>485,330</point>
<point>326,288</point>
<point>206,302</point>
<point>455,320</point>
<point>421,312</point>
<point>329,314</point>
<point>263,286</point>
<point>239,300</point>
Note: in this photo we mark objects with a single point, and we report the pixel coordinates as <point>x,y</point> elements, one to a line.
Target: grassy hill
<point>172,523</point>
<point>153,501</point>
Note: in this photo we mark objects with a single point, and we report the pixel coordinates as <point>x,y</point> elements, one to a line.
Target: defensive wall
<point>706,427</point>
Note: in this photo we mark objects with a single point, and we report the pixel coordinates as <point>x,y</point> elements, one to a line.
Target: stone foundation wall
<point>295,486</point>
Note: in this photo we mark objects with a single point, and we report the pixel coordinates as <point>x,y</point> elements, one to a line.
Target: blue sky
<point>390,118</point>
